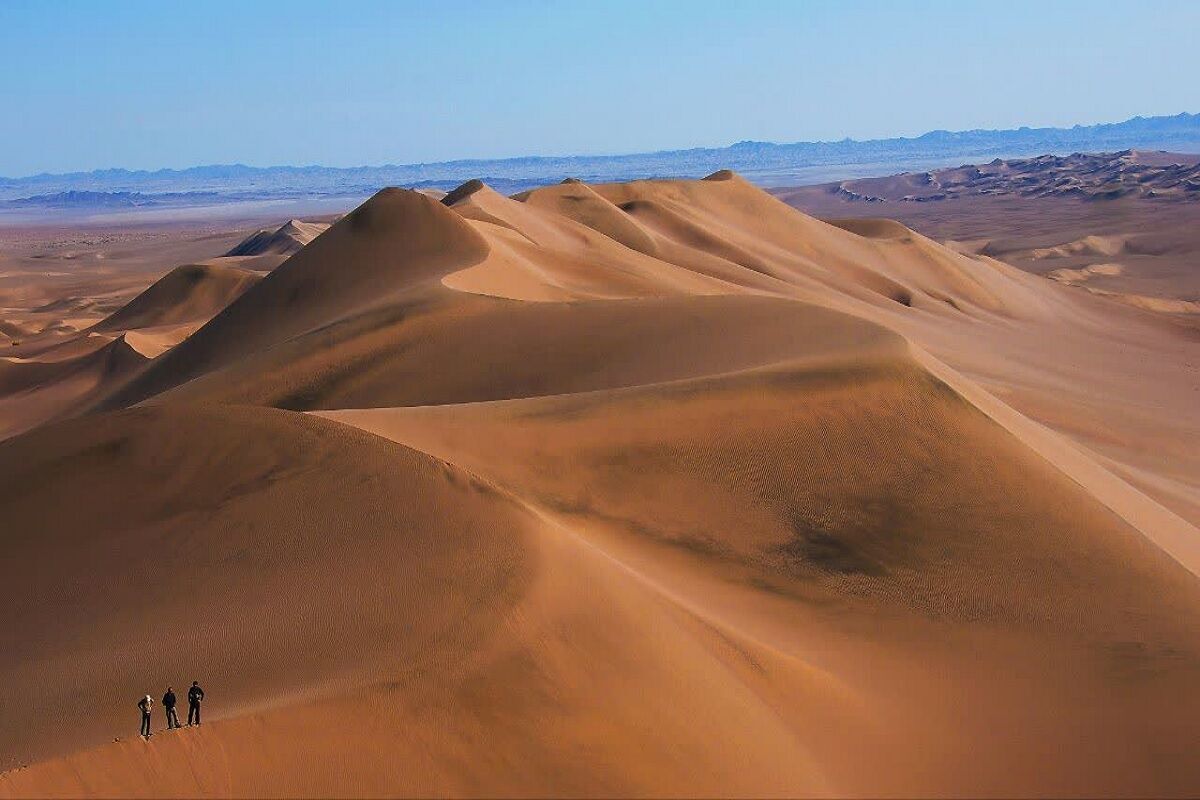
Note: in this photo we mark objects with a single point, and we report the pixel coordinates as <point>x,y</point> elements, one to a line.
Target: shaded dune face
<point>861,471</point>
<point>207,574</point>
<point>192,293</point>
<point>288,238</point>
<point>35,390</point>
<point>396,240</point>
<point>439,350</point>
<point>628,489</point>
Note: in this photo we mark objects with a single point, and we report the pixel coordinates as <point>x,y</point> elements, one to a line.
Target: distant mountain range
<point>766,163</point>
<point>1083,176</point>
<point>74,198</point>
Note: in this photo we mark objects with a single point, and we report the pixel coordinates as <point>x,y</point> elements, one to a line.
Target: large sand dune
<point>191,293</point>
<point>660,488</point>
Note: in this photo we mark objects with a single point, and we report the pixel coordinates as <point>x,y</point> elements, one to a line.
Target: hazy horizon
<point>519,156</point>
<point>143,86</point>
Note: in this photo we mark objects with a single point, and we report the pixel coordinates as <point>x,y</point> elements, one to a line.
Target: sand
<point>291,237</point>
<point>661,488</point>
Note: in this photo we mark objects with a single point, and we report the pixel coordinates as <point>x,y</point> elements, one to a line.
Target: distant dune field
<point>660,488</point>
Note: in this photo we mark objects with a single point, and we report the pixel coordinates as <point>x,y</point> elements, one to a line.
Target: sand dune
<point>191,293</point>
<point>1091,177</point>
<point>658,488</point>
<point>35,391</point>
<point>57,376</point>
<point>487,349</point>
<point>393,241</point>
<point>1105,246</point>
<point>15,330</point>
<point>1044,214</point>
<point>288,238</point>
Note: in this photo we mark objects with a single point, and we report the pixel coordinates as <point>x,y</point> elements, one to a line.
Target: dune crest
<point>191,293</point>
<point>287,239</point>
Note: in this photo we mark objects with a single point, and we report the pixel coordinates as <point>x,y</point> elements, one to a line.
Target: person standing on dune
<point>145,704</point>
<point>169,708</point>
<point>195,696</point>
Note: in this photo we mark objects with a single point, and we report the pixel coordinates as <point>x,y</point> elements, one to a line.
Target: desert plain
<point>669,487</point>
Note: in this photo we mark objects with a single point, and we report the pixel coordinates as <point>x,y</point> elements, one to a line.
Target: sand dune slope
<point>728,232</point>
<point>213,575</point>
<point>191,293</point>
<point>444,347</point>
<point>646,489</point>
<point>541,254</point>
<point>34,391</point>
<point>438,616</point>
<point>634,641</point>
<point>60,378</point>
<point>395,240</point>
<point>904,268</point>
<point>288,238</point>
<point>868,499</point>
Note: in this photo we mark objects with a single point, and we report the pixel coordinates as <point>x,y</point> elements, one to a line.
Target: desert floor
<point>658,488</point>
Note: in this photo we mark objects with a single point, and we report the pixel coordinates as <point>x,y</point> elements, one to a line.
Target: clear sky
<point>173,84</point>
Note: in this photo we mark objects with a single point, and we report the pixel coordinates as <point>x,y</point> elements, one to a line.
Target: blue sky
<point>165,84</point>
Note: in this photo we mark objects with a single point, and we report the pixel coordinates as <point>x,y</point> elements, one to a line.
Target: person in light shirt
<point>145,704</point>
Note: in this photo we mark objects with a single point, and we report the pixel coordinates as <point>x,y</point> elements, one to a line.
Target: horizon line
<point>532,157</point>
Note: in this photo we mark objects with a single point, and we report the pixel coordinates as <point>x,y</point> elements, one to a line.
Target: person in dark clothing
<point>145,704</point>
<point>195,696</point>
<point>169,708</point>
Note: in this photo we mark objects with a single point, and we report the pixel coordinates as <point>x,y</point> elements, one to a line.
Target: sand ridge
<point>291,237</point>
<point>191,293</point>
